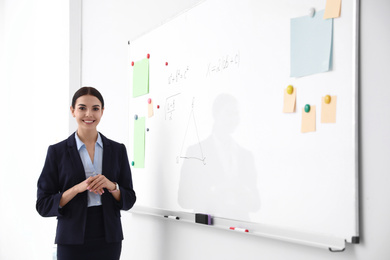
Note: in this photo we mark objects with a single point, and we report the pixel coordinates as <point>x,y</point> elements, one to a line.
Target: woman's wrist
<point>113,187</point>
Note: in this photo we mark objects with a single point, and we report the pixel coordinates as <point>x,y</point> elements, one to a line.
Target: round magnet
<point>132,63</point>
<point>312,12</point>
<point>147,129</point>
<point>327,99</point>
<point>132,163</point>
<point>149,100</point>
<point>166,63</point>
<point>290,89</point>
<point>158,106</point>
<point>148,56</point>
<point>307,108</point>
<point>136,117</point>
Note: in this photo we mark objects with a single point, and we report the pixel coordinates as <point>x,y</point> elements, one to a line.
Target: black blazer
<point>63,169</point>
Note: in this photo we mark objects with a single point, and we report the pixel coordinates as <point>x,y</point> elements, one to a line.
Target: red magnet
<point>166,63</point>
<point>148,56</point>
<point>149,100</point>
<point>132,63</point>
<point>158,106</point>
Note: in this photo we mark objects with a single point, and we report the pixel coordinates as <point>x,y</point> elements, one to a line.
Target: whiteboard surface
<point>220,144</point>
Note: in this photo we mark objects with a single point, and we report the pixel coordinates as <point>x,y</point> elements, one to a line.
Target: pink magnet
<point>149,100</point>
<point>132,63</point>
<point>166,63</point>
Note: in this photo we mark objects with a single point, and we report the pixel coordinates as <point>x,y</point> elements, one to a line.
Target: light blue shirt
<point>91,168</point>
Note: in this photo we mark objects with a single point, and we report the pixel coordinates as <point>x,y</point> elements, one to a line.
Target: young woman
<point>85,182</point>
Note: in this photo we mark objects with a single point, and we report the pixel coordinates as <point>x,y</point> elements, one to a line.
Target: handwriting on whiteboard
<point>170,106</point>
<point>223,63</point>
<point>179,75</point>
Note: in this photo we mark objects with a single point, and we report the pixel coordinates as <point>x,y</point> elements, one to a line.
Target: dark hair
<point>87,91</point>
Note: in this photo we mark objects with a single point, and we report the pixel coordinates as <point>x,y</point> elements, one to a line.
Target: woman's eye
<point>82,108</point>
<point>95,109</point>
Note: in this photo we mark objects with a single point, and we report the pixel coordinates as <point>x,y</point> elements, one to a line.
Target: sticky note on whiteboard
<point>150,109</point>
<point>328,110</point>
<point>141,78</point>
<point>332,9</point>
<point>309,120</point>
<point>310,45</point>
<point>139,142</point>
<point>289,101</point>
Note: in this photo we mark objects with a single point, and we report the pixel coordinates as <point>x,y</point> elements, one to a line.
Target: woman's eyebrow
<point>82,105</point>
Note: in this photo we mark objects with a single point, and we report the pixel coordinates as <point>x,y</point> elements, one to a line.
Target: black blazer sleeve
<point>125,182</point>
<point>49,195</point>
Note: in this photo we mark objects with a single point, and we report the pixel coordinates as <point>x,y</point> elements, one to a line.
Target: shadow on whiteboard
<point>224,184</point>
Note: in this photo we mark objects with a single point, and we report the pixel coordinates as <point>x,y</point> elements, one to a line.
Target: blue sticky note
<point>311,45</point>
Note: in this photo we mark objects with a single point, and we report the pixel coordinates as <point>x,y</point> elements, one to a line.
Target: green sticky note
<point>141,78</point>
<point>139,143</point>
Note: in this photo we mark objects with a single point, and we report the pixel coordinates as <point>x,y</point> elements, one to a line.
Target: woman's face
<point>88,111</point>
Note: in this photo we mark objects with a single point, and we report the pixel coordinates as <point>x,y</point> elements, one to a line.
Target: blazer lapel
<point>75,159</point>
<point>106,157</point>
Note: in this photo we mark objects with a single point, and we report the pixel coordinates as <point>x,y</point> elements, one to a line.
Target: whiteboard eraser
<point>203,219</point>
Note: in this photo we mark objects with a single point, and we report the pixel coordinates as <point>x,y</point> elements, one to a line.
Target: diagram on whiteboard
<point>191,137</point>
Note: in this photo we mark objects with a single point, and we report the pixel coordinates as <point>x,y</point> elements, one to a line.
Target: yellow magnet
<point>327,99</point>
<point>290,89</point>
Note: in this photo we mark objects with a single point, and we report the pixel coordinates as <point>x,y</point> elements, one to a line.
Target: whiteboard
<point>219,142</point>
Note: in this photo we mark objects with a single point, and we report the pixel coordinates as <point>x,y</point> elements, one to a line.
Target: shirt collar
<point>80,144</point>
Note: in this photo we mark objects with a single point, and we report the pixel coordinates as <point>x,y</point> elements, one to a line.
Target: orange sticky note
<point>150,109</point>
<point>332,9</point>
<point>309,120</point>
<point>328,111</point>
<point>289,101</point>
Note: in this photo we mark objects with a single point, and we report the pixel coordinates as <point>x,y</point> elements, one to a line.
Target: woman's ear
<point>72,111</point>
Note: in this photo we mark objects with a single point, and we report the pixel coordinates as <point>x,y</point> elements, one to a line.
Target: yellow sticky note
<point>150,109</point>
<point>289,101</point>
<point>332,9</point>
<point>328,111</point>
<point>309,120</point>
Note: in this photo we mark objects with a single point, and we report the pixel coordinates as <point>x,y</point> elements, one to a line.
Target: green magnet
<point>307,108</point>
<point>132,163</point>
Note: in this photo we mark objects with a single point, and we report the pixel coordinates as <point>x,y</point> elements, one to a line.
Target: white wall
<point>107,25</point>
<point>34,73</point>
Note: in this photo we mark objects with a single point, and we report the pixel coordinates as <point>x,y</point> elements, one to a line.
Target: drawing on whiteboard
<point>170,106</point>
<point>191,134</point>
